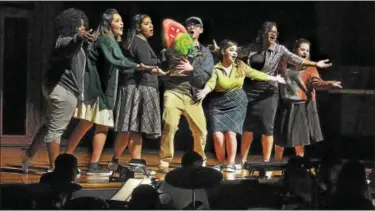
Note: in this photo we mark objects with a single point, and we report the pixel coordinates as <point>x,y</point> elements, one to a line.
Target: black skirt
<point>227,111</point>
<point>297,124</point>
<point>261,112</point>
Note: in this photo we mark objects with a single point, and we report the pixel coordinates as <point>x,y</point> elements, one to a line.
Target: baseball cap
<point>194,19</point>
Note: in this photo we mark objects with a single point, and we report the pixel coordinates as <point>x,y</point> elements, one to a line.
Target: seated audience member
<point>328,173</point>
<point>181,198</point>
<point>300,184</point>
<point>144,197</point>
<point>352,191</point>
<point>66,170</point>
<point>61,181</point>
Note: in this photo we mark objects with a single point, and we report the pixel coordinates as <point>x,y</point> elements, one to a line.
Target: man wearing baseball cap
<point>179,97</point>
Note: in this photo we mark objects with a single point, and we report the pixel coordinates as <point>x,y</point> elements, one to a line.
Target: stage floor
<point>11,172</point>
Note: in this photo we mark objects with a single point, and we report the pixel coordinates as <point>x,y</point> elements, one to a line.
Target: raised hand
<point>184,65</point>
<point>87,35</point>
<point>323,63</point>
<point>337,84</point>
<point>214,47</point>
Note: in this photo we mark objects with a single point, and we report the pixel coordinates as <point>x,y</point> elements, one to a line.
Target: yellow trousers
<point>175,105</point>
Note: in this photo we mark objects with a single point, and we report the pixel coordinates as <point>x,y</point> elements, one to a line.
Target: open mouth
<point>191,32</point>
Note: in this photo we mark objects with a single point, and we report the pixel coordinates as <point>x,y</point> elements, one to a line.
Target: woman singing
<point>263,96</point>
<point>298,124</point>
<point>105,62</point>
<point>138,105</point>
<point>228,106</point>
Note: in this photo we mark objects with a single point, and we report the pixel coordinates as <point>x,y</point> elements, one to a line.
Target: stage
<point>11,171</point>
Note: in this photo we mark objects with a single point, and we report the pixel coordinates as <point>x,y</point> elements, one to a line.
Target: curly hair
<point>67,23</point>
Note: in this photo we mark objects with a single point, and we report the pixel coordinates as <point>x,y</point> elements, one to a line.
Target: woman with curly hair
<point>63,84</point>
<point>105,63</point>
<point>228,104</point>
<point>138,105</point>
<point>263,98</point>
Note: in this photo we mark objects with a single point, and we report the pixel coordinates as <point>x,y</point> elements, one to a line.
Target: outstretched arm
<point>210,85</point>
<point>113,54</point>
<point>319,83</point>
<point>260,76</point>
<point>298,61</point>
<point>67,47</point>
<point>141,51</point>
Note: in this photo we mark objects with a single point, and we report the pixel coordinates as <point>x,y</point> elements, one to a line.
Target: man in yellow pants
<point>179,97</point>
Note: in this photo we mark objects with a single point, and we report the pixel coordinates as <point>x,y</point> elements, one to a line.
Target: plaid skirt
<point>227,111</point>
<point>297,124</point>
<point>138,110</point>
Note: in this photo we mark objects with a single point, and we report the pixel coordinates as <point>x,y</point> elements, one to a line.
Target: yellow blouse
<point>221,82</point>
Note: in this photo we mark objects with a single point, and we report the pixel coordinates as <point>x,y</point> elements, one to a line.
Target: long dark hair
<point>224,44</point>
<point>104,27</point>
<point>266,27</point>
<point>135,29</point>
<point>68,21</point>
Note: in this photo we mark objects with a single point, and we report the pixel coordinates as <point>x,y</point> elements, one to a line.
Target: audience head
<point>66,167</point>
<point>329,171</point>
<point>352,178</point>
<point>299,181</point>
<point>144,197</point>
<point>191,159</point>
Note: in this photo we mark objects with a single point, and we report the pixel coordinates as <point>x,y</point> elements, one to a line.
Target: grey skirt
<point>297,124</point>
<point>227,111</point>
<point>138,110</point>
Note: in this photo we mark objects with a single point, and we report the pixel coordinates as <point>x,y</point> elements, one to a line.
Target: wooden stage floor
<point>11,172</point>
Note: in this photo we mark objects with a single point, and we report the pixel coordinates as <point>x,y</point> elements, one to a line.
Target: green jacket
<point>104,63</point>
